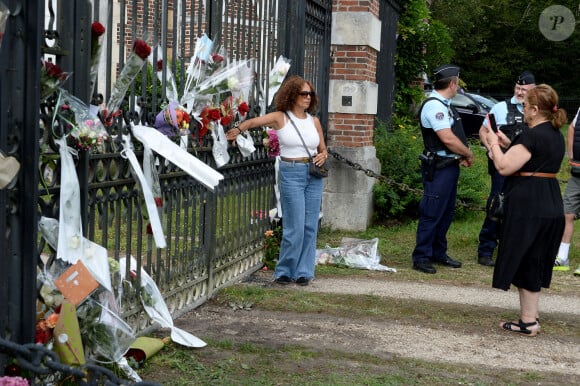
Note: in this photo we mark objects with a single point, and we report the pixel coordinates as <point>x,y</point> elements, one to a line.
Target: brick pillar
<point>352,106</point>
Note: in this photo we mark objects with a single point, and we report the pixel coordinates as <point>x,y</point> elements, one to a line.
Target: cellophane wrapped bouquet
<point>217,91</point>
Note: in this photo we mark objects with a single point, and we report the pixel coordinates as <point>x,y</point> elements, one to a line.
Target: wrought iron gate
<point>214,238</point>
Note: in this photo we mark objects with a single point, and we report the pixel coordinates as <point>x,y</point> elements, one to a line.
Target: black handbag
<point>313,169</point>
<point>495,211</point>
<point>496,208</point>
<point>317,171</point>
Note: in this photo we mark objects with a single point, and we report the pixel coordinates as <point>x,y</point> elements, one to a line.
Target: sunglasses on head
<point>306,93</point>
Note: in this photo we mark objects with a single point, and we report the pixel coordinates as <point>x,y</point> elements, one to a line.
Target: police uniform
<point>440,173</point>
<point>510,120</point>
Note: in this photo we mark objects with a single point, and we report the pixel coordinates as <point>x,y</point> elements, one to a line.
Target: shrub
<point>398,145</point>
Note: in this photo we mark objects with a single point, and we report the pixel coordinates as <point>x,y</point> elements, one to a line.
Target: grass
<point>227,362</point>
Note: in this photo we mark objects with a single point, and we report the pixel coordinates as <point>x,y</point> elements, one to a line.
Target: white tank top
<point>290,143</point>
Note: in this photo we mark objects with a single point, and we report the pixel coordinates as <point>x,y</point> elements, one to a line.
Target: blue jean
<point>436,212</point>
<point>300,197</point>
<point>488,235</point>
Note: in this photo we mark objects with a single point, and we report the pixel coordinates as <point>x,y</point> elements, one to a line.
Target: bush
<point>398,145</point>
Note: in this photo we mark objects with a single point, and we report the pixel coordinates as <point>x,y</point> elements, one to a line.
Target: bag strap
<point>300,135</point>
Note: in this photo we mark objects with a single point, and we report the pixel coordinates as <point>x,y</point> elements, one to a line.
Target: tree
<point>494,40</point>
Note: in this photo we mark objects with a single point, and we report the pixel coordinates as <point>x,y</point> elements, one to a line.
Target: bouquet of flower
<point>4,13</point>
<point>270,142</point>
<point>134,64</point>
<point>84,130</point>
<point>45,327</point>
<point>203,64</point>
<point>173,120</point>
<point>235,78</point>
<point>51,78</point>
<point>97,31</point>
<point>276,77</point>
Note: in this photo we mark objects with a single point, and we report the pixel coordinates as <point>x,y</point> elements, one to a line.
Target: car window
<point>483,101</point>
<point>461,100</point>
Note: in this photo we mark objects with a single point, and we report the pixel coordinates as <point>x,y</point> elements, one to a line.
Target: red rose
<point>149,229</point>
<point>52,70</point>
<point>141,49</point>
<point>243,108</point>
<point>217,58</point>
<point>159,65</point>
<point>43,336</point>
<point>97,29</point>
<point>202,132</point>
<point>226,120</point>
<point>158,202</point>
<point>214,114</point>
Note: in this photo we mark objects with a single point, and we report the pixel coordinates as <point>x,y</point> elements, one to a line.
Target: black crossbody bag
<point>313,169</point>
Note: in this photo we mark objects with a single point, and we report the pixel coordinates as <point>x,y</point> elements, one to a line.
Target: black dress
<point>533,224</point>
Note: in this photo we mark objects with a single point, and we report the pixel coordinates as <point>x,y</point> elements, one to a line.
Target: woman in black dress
<point>534,215</point>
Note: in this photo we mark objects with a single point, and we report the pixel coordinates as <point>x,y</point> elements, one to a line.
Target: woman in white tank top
<point>300,193</point>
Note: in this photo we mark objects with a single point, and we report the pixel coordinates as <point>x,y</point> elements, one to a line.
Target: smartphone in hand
<point>492,124</point>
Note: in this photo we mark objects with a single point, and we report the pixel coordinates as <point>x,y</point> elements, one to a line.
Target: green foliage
<point>497,39</point>
<point>398,147</point>
<point>421,46</point>
<point>272,246</point>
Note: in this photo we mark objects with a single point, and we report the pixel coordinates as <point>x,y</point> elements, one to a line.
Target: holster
<point>428,159</point>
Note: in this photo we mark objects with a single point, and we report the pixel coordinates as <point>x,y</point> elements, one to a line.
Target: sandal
<point>522,328</point>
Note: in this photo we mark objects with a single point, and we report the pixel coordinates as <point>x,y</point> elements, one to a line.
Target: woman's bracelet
<point>240,130</point>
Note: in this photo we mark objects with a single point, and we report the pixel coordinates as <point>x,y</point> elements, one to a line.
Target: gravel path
<point>384,338</point>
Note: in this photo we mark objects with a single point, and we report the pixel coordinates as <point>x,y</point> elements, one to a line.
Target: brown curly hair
<point>289,91</point>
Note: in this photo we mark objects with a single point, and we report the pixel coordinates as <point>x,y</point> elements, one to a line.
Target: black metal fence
<point>213,237</point>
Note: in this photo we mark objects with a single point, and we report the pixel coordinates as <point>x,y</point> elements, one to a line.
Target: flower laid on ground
<point>272,246</point>
<point>173,120</point>
<point>270,142</point>
<point>97,31</point>
<point>51,78</point>
<point>45,328</point>
<point>134,64</point>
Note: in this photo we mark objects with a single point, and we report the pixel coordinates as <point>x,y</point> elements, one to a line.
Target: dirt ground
<point>489,347</point>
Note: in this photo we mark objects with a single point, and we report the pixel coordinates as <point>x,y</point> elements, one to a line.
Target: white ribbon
<point>156,227</point>
<point>179,157</point>
<point>158,310</point>
<point>70,237</point>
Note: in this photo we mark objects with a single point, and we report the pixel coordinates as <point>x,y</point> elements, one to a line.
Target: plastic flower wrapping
<point>170,85</point>
<point>4,13</point>
<point>133,65</point>
<point>97,32</point>
<point>276,77</point>
<point>51,78</point>
<point>84,130</point>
